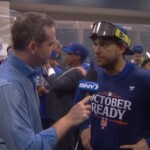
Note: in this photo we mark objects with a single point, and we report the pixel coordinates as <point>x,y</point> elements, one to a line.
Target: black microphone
<point>91,75</point>
<point>90,84</point>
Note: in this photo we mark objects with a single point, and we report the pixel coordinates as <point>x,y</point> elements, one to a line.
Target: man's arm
<point>16,128</point>
<point>16,125</point>
<point>78,114</point>
<point>68,80</point>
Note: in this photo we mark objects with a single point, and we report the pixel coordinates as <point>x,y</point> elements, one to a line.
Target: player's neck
<point>115,68</point>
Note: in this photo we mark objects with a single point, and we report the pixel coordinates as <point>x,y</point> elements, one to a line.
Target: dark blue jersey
<point>121,108</point>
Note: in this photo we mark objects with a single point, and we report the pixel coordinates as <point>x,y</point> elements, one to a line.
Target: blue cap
<point>54,54</point>
<point>122,29</point>
<point>76,48</point>
<point>138,49</point>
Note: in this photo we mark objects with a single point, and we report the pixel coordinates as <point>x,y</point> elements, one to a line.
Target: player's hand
<point>141,145</point>
<point>86,138</point>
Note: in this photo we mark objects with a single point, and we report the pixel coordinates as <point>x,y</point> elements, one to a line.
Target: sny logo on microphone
<point>87,85</point>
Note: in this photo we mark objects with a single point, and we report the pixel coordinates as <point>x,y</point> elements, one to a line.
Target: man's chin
<point>99,63</point>
<point>45,62</point>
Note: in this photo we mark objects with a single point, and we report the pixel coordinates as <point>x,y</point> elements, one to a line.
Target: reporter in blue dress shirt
<point>33,35</point>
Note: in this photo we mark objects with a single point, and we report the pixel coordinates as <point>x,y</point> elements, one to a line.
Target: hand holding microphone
<point>86,87</point>
<point>80,112</point>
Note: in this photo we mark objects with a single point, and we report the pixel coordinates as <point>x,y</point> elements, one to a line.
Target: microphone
<point>90,84</point>
<point>92,75</point>
<point>86,87</point>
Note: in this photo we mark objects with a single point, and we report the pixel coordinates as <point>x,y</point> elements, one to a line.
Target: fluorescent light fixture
<point>148,54</point>
<point>127,27</point>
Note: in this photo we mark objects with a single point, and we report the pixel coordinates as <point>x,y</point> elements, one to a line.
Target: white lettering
<point>105,111</point>
<point>114,102</point>
<point>99,109</point>
<point>127,105</point>
<point>96,98</point>
<point>121,113</point>
<point>88,85</point>
<point>120,103</point>
<point>102,99</point>
<point>94,108</point>
<point>113,112</point>
<point>110,106</point>
<point>107,101</point>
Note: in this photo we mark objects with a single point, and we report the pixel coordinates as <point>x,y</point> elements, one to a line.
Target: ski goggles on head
<point>101,29</point>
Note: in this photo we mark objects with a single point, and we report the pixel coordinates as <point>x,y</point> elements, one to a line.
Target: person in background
<point>42,88</point>
<point>57,46</point>
<point>120,116</point>
<point>138,52</point>
<point>33,35</point>
<point>9,49</point>
<point>53,66</point>
<point>1,61</point>
<point>59,55</point>
<point>60,98</point>
<point>89,62</point>
<point>146,64</point>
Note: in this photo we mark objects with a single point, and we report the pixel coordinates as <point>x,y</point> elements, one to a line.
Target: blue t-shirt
<point>121,108</point>
<point>58,70</point>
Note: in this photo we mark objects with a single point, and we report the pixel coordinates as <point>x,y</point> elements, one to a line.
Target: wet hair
<point>9,49</point>
<point>146,61</point>
<point>30,27</point>
<point>114,39</point>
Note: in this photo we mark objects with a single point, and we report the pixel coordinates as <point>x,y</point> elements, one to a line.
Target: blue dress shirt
<point>20,123</point>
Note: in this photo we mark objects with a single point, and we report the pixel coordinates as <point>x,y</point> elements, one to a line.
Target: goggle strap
<point>118,33</point>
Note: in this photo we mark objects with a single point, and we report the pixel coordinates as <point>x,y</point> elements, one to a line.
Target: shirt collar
<point>126,69</point>
<point>21,66</point>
